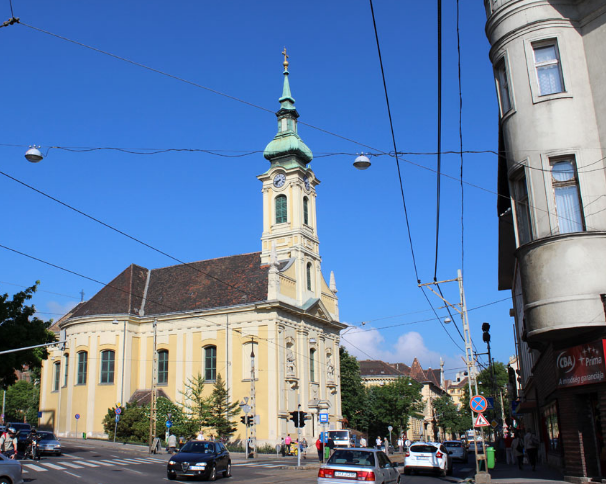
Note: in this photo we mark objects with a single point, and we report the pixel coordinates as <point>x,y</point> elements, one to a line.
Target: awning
<point>528,406</point>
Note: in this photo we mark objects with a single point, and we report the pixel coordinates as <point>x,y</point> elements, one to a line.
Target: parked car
<point>424,456</point>
<point>11,471</point>
<point>479,444</point>
<point>456,449</point>
<point>200,458</point>
<point>49,444</point>
<point>357,464</point>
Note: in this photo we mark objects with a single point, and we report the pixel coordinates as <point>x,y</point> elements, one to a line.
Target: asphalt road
<point>106,463</point>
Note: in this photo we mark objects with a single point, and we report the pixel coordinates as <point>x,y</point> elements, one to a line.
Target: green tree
<point>20,328</point>
<point>196,406</point>
<point>22,400</point>
<point>353,393</point>
<point>448,416</point>
<point>133,425</point>
<point>393,404</point>
<point>221,411</point>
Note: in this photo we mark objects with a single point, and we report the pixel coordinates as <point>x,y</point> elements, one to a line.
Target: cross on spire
<point>286,56</point>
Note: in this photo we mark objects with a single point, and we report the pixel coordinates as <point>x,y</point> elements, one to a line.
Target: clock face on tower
<point>279,180</point>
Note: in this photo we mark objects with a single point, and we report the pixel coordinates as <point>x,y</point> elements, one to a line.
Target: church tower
<point>289,202</point>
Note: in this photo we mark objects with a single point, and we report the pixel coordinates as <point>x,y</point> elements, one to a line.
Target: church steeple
<point>287,148</point>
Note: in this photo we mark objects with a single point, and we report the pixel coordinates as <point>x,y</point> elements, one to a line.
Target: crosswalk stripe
<point>34,467</point>
<point>115,462</point>
<point>132,461</point>
<point>85,463</point>
<point>102,463</point>
<point>155,460</point>
<point>147,461</point>
<point>69,464</point>
<point>52,466</point>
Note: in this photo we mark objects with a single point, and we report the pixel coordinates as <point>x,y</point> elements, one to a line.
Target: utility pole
<point>461,308</point>
<point>152,407</point>
<point>253,428</point>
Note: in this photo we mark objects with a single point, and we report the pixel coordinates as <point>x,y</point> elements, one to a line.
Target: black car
<point>22,436</point>
<point>200,458</point>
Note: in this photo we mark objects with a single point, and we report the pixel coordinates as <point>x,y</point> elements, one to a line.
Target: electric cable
<point>461,140</point>
<point>439,140</point>
<point>40,290</point>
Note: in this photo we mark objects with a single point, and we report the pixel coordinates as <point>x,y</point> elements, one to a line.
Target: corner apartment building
<point>549,61</point>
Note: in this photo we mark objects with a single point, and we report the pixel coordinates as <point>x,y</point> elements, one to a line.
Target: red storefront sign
<point>581,365</point>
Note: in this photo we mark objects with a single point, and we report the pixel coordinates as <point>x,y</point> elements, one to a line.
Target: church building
<point>159,327</point>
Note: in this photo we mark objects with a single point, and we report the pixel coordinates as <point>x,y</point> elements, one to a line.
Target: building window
<point>567,199</point>
<point>283,124</point>
<point>548,67</point>
<point>312,365</point>
<point>281,205</point>
<point>56,375</point>
<point>107,366</point>
<point>66,360</point>
<point>82,367</point>
<point>552,427</point>
<point>305,210</point>
<point>162,367</point>
<point>210,363</point>
<point>503,85</point>
<point>520,191</point>
<point>309,276</point>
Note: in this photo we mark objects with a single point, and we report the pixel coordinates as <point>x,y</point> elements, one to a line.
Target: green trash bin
<point>84,435</point>
<point>490,457</point>
<point>326,452</point>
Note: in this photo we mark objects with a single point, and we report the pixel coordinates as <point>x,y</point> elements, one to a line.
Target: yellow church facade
<point>160,327</point>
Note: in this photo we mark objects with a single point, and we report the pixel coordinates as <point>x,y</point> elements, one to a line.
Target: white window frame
<point>529,48</point>
<point>516,174</point>
<point>504,62</point>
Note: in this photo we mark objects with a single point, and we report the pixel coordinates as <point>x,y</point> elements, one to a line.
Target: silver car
<point>456,449</point>
<point>10,470</point>
<point>49,444</point>
<point>368,465</point>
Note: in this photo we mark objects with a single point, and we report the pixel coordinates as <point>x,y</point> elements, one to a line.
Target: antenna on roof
<point>82,295</point>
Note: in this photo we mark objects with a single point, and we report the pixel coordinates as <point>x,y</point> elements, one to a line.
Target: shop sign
<point>581,365</point>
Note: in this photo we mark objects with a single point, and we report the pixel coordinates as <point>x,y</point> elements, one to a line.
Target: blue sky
<point>197,206</point>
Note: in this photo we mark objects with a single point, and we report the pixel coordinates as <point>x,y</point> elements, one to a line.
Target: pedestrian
<point>331,445</point>
<point>386,445</point>
<point>304,447</point>
<point>320,448</point>
<point>249,446</point>
<point>508,450</point>
<point>362,442</point>
<point>288,441</point>
<point>181,442</point>
<point>400,445</point>
<point>518,449</point>
<point>200,435</point>
<point>172,443</point>
<point>378,443</point>
<point>531,444</point>
<point>8,443</point>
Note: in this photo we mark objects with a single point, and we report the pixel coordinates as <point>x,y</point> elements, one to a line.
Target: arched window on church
<point>309,276</point>
<point>312,365</point>
<point>56,375</point>
<point>210,363</point>
<point>281,208</point>
<point>108,358</point>
<point>162,367</point>
<point>305,210</point>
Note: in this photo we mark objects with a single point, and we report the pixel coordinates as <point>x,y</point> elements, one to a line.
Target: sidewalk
<point>506,474</point>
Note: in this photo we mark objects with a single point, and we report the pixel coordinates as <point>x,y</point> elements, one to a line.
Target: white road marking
<point>69,464</point>
<point>102,463</point>
<point>34,467</point>
<point>115,462</point>
<point>72,474</point>
<point>71,456</point>
<point>52,466</point>
<point>89,464</point>
<point>132,461</point>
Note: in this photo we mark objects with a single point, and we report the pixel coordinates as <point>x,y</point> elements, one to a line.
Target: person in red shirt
<point>508,451</point>
<point>320,447</point>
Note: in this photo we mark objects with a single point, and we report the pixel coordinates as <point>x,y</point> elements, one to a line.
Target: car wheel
<point>406,472</point>
<point>449,471</point>
<point>171,476</point>
<point>213,473</point>
<point>4,480</point>
<point>227,472</point>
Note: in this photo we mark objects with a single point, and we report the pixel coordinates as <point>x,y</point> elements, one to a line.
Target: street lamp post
<point>152,412</point>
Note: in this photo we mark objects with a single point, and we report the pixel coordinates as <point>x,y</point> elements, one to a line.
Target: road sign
<point>77,416</point>
<point>490,401</point>
<point>481,421</point>
<point>494,424</point>
<point>117,418</point>
<point>323,418</point>
<point>514,406</point>
<point>118,410</point>
<point>478,404</point>
<point>169,424</point>
<point>39,414</point>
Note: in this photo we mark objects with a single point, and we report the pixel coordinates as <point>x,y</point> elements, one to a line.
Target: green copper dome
<point>287,142</point>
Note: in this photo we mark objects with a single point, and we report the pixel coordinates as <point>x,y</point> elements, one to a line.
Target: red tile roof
<point>214,283</point>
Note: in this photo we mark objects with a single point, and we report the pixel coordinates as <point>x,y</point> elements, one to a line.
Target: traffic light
<point>243,419</point>
<point>486,335</point>
<point>294,417</point>
<point>302,416</point>
<point>249,420</point>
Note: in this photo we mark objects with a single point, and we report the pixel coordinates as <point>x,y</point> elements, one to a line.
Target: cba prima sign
<point>581,365</point>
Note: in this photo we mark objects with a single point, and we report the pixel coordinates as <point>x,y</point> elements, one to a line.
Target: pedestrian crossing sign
<point>481,421</point>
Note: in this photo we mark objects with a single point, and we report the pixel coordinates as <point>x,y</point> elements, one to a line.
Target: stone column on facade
<point>93,382</point>
<point>303,350</point>
<point>282,386</point>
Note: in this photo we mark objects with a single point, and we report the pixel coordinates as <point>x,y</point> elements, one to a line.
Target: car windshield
<point>199,448</point>
<point>353,458</point>
<point>424,448</point>
<point>46,436</point>
<point>339,435</point>
<point>22,434</point>
<point>452,444</point>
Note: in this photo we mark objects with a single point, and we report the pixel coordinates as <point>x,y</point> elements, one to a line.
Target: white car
<point>350,465</point>
<point>427,456</point>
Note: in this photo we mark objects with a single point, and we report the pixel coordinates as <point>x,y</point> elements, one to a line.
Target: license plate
<point>196,468</point>
<point>422,457</point>
<point>345,474</point>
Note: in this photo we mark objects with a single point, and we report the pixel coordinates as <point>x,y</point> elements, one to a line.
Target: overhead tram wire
<point>461,140</point>
<point>439,141</point>
<point>40,290</point>
<point>395,150</point>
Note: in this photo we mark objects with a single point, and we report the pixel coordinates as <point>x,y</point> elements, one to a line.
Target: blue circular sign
<point>478,404</point>
<point>169,424</point>
<point>118,410</point>
<point>77,416</point>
